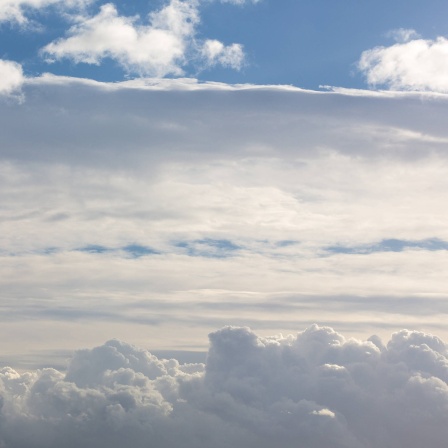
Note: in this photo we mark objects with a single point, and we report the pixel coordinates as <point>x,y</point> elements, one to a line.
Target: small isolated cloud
<point>416,64</point>
<point>15,10</point>
<point>215,52</point>
<point>403,35</point>
<point>312,390</point>
<point>162,47</point>
<point>11,77</point>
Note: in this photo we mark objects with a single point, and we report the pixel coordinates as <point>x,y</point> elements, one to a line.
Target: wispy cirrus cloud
<point>16,11</point>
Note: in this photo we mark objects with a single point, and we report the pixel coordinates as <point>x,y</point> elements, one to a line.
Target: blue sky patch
<point>391,245</point>
<point>94,249</point>
<point>134,250</point>
<point>137,251</point>
<point>209,247</point>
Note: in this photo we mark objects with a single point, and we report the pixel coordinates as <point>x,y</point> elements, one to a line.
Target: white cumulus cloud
<point>416,64</point>
<point>11,77</point>
<point>215,52</point>
<point>314,389</point>
<point>161,47</point>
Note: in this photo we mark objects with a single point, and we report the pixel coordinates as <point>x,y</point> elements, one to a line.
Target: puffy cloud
<point>416,64</point>
<point>311,390</point>
<point>161,48</point>
<point>15,10</point>
<point>215,52</point>
<point>155,50</point>
<point>11,77</point>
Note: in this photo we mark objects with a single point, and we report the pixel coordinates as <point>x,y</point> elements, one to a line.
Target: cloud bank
<point>310,390</point>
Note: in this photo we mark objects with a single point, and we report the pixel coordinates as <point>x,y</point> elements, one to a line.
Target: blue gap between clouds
<point>209,248</point>
<point>391,245</point>
<point>134,250</point>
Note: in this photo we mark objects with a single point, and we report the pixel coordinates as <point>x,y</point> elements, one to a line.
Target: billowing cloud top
<point>311,390</point>
<point>410,64</point>
<point>158,209</point>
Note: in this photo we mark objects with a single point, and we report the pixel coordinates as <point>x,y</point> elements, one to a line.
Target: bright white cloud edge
<point>410,64</point>
<point>11,77</point>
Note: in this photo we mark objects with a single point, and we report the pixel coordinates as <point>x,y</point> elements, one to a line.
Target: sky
<point>222,223</point>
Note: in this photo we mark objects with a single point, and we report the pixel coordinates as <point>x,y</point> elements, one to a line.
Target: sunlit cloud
<point>160,47</point>
<point>410,64</point>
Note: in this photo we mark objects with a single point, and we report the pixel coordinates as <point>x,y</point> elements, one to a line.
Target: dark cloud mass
<point>317,389</point>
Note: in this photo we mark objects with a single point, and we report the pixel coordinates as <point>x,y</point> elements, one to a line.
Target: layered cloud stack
<point>144,207</point>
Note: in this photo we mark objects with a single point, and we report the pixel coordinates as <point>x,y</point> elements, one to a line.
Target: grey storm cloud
<point>314,389</point>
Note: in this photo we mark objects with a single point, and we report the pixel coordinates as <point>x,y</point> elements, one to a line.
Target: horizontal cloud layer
<point>311,390</point>
<point>158,204</point>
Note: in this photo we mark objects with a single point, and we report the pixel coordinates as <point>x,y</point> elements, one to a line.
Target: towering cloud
<point>311,390</point>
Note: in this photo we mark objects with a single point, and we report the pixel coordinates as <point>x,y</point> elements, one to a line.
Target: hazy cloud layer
<point>311,390</point>
<point>117,209</point>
